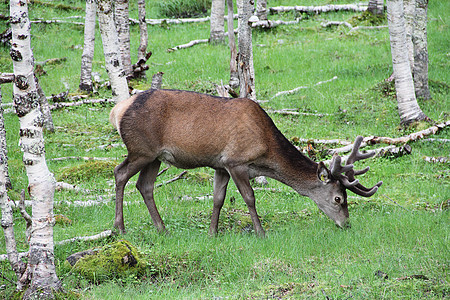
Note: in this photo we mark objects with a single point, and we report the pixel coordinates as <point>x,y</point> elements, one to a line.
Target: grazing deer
<point>237,139</point>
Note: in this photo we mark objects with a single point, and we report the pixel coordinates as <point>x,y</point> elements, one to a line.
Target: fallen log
<point>101,235</point>
<point>293,91</point>
<point>295,113</point>
<point>81,102</point>
<point>319,9</point>
<point>6,78</point>
<point>437,160</point>
<point>187,45</point>
<point>268,24</point>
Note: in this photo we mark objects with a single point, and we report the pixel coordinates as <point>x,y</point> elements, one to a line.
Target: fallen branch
<point>296,113</point>
<point>106,147</point>
<point>55,21</point>
<point>81,158</point>
<point>408,138</point>
<point>4,257</point>
<point>101,235</point>
<point>6,77</point>
<point>336,23</point>
<point>322,142</point>
<point>293,91</point>
<point>319,9</point>
<point>52,61</point>
<point>439,160</point>
<point>180,176</point>
<point>267,24</point>
<point>339,23</point>
<point>190,44</point>
<point>81,102</point>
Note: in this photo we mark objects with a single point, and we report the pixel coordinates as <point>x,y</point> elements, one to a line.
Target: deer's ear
<point>323,173</point>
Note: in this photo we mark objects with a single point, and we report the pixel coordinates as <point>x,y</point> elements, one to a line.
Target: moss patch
<point>86,171</point>
<point>116,260</point>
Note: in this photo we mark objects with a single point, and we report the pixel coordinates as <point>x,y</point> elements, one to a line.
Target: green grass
<point>402,231</point>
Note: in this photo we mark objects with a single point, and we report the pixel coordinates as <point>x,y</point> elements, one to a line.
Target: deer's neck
<point>291,167</point>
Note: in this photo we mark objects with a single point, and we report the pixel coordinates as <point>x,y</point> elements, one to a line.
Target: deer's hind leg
<point>122,173</point>
<point>146,185</point>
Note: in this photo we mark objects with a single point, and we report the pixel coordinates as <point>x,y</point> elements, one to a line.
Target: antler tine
<point>355,155</point>
<point>348,180</point>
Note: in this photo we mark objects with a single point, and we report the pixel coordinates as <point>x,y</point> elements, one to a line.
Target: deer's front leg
<point>221,179</point>
<point>241,179</point>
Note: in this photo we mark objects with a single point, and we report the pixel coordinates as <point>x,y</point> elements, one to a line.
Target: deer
<point>236,138</point>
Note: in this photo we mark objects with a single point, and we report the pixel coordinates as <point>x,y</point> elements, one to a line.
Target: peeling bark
<point>245,54</point>
<point>113,60</point>
<point>217,31</point>
<point>408,108</point>
<point>45,108</point>
<point>39,279</point>
<point>88,48</point>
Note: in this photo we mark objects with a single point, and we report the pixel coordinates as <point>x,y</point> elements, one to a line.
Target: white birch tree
<point>143,32</point>
<point>110,41</point>
<point>39,278</point>
<point>408,107</point>
<point>88,48</point>
<point>5,204</point>
<point>121,17</point>
<point>234,76</point>
<point>217,28</point>
<point>245,54</point>
<point>420,43</point>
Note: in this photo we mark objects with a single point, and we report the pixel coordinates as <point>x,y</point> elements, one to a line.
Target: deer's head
<point>331,193</point>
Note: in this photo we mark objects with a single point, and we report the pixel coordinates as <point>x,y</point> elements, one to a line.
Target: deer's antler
<point>348,178</point>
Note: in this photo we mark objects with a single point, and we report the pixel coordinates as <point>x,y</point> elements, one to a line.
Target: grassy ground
<point>398,244</point>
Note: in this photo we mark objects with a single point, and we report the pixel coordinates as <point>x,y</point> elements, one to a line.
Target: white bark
<point>110,40</point>
<point>409,9</point>
<point>261,9</point>
<point>143,41</point>
<point>121,16</point>
<point>88,48</point>
<point>40,273</point>
<point>245,54</point>
<point>420,68</point>
<point>408,107</point>
<point>234,76</point>
<point>45,108</point>
<point>217,30</point>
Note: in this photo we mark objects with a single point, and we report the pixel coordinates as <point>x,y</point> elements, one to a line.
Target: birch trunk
<point>5,204</point>
<point>110,40</point>
<point>409,9</point>
<point>420,68</point>
<point>408,107</point>
<point>217,31</point>
<point>261,10</point>
<point>88,48</point>
<point>40,275</point>
<point>121,16</point>
<point>245,55</point>
<point>234,76</point>
<point>143,41</point>
<point>376,7</point>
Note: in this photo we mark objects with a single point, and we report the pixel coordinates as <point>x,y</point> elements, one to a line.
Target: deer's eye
<point>337,199</point>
